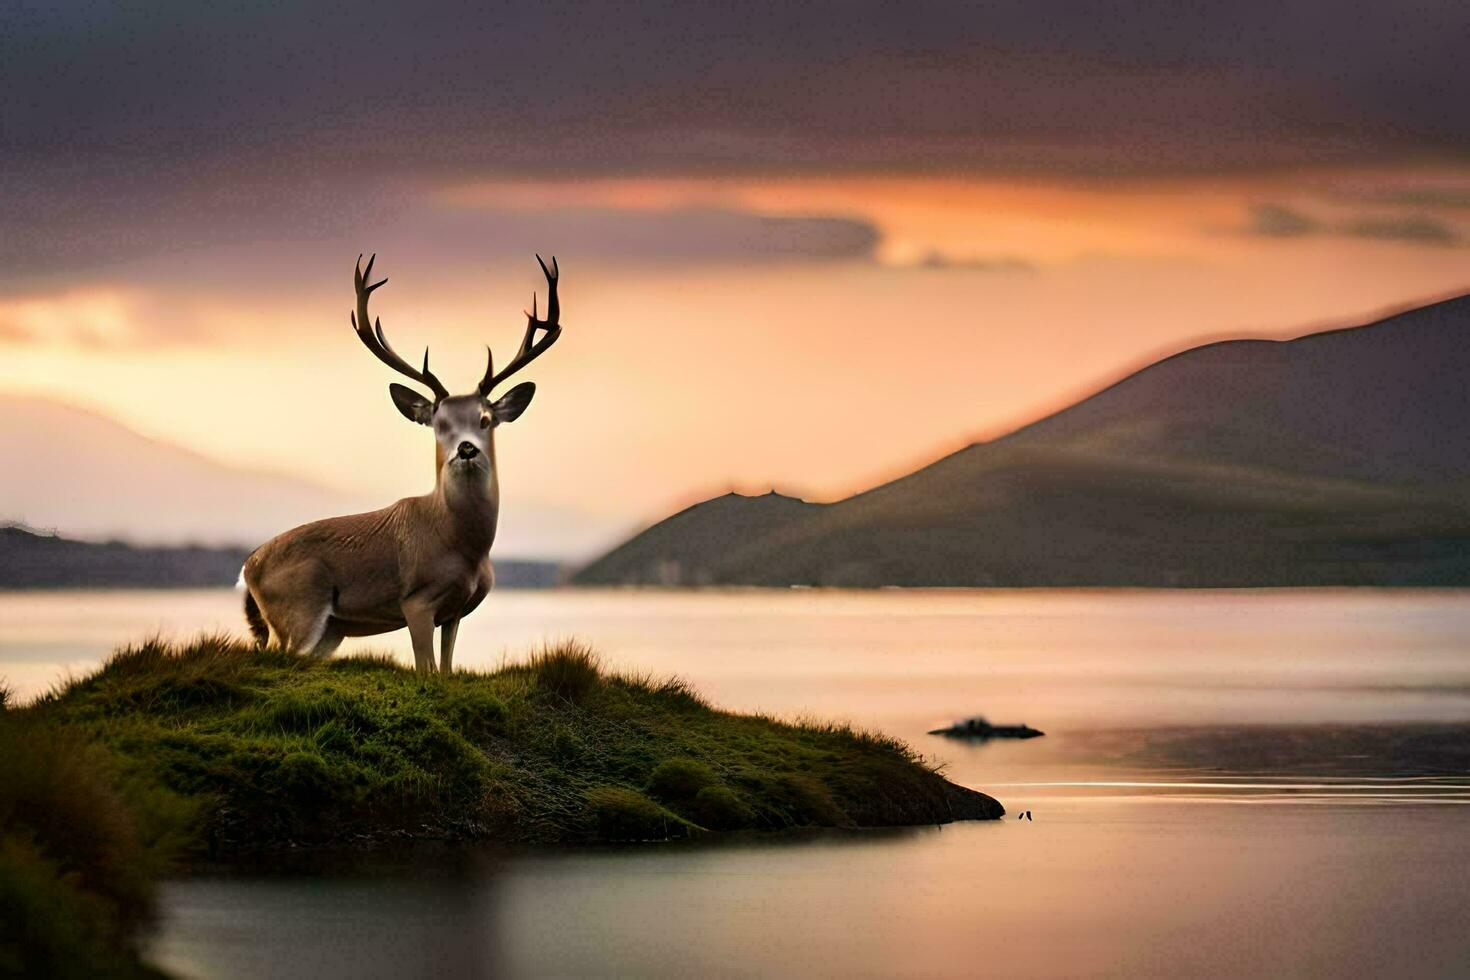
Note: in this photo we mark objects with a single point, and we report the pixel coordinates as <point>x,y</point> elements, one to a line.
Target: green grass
<point>80,845</point>
<point>266,749</point>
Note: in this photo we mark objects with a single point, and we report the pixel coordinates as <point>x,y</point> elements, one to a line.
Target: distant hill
<point>1338,458</point>
<point>82,474</point>
<point>688,548</point>
<point>29,560</point>
<point>85,474</point>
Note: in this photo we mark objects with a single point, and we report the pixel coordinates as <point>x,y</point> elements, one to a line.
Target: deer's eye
<point>484,421</point>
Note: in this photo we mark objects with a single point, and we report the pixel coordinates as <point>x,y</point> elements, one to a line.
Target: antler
<point>370,332</point>
<point>531,348</point>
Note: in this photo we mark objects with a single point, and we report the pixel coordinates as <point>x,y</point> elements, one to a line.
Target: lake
<point>1267,783</point>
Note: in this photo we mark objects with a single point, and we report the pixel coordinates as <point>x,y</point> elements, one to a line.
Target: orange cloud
<point>86,316</point>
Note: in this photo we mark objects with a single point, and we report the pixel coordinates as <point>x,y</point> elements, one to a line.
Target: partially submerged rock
<point>981,730</point>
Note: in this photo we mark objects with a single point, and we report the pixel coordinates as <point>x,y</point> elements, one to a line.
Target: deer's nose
<point>468,450</point>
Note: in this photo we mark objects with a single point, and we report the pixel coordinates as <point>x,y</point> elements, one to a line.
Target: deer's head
<point>463,425</point>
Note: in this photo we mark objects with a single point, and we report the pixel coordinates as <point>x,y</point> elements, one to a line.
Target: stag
<point>423,562</point>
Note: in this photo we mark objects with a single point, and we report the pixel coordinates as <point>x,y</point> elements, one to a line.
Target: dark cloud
<point>1282,221</point>
<point>1434,197</point>
<point>686,234</point>
<point>97,89</point>
<point>51,235</point>
<point>162,264</point>
<point>52,230</point>
<point>1403,228</point>
<point>1447,198</point>
<point>141,129</point>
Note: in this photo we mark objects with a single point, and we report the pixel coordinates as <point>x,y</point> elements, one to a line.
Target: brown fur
<point>424,561</point>
<point>421,562</point>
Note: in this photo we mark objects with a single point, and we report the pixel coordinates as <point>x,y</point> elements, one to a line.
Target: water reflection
<point>1174,870</point>
<point>1091,887</point>
<point>1344,764</point>
<point>1239,784</point>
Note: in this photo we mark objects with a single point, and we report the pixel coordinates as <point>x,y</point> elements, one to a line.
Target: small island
<point>270,750</point>
<point>176,758</point>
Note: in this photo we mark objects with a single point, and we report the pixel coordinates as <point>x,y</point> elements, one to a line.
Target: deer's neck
<point>469,508</point>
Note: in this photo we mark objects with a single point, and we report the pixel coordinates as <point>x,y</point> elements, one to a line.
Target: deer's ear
<point>510,406</point>
<point>414,406</point>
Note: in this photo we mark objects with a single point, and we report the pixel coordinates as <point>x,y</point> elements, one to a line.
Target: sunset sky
<point>803,246</point>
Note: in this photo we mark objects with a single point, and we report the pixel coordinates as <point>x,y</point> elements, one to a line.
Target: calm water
<point>1232,783</point>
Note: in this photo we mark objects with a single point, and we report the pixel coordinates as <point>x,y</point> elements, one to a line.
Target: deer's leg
<point>447,633</point>
<point>302,629</point>
<point>327,645</point>
<point>274,637</point>
<point>421,631</point>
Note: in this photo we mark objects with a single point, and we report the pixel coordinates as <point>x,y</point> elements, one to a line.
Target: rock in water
<point>980,729</point>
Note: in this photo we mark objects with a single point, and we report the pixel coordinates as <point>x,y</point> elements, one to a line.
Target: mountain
<point>686,549</point>
<point>1385,403</point>
<point>29,560</point>
<point>1337,458</point>
<point>85,474</point>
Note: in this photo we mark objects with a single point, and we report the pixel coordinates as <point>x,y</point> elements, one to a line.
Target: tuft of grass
<point>624,814</point>
<point>308,709</point>
<point>275,750</point>
<point>77,855</point>
<point>674,692</point>
<point>569,671</point>
<point>680,779</point>
<point>720,808</point>
<point>478,713</point>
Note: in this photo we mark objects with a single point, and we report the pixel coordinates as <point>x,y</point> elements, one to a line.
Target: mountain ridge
<point>1335,457</point>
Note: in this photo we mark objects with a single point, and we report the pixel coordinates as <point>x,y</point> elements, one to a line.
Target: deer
<point>423,562</point>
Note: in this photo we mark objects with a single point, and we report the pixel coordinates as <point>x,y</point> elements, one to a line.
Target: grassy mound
<point>275,750</point>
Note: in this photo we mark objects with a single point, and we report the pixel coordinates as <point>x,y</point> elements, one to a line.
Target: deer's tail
<point>258,628</point>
